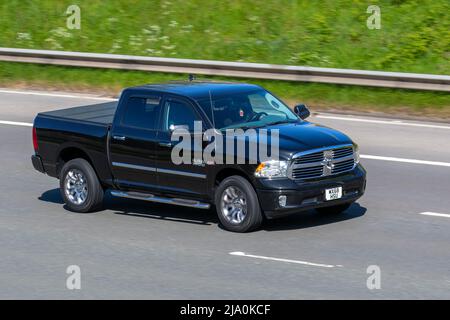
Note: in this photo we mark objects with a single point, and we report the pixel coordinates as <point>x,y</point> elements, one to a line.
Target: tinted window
<point>179,113</point>
<point>142,113</point>
<point>256,108</point>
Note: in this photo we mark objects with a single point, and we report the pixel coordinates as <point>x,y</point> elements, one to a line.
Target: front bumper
<point>309,195</point>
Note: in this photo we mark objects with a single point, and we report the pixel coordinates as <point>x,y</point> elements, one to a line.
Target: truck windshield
<point>253,109</point>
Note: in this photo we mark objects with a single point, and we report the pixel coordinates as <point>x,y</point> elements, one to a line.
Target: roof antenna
<point>191,77</point>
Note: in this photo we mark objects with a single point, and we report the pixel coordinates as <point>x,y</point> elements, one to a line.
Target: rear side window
<point>142,113</point>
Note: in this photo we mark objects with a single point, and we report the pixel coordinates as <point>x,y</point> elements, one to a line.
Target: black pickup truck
<point>127,147</point>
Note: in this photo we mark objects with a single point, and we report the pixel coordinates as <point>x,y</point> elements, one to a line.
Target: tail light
<point>35,142</point>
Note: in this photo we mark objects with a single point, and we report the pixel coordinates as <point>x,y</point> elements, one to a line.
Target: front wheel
<point>80,187</point>
<point>237,205</point>
<point>334,209</point>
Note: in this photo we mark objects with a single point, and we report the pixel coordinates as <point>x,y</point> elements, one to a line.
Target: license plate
<point>333,193</point>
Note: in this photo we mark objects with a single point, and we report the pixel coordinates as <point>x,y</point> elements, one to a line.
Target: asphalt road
<point>149,251</point>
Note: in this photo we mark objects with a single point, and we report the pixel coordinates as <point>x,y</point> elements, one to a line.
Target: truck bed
<point>100,113</point>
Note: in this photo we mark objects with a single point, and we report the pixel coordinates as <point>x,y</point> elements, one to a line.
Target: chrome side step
<point>159,199</point>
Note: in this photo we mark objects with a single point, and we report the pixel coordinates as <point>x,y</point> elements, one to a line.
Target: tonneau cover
<point>101,113</point>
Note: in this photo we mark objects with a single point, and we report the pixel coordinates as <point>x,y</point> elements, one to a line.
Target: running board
<point>159,199</point>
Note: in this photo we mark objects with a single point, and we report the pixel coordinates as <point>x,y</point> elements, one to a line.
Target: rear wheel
<point>334,209</point>
<point>237,205</point>
<point>80,187</point>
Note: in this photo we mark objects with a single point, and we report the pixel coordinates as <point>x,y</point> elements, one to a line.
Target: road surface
<point>136,250</point>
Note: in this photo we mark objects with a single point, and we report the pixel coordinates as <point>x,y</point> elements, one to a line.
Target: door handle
<point>165,144</point>
<point>121,138</point>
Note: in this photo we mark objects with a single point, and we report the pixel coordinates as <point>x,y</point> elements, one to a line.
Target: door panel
<point>132,145</point>
<point>182,179</point>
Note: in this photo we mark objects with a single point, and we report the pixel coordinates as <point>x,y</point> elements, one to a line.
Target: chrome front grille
<point>343,166</point>
<point>343,152</point>
<point>312,157</point>
<point>322,162</point>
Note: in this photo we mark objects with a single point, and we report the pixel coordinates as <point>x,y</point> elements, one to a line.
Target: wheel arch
<point>224,173</point>
<point>228,172</point>
<point>71,152</point>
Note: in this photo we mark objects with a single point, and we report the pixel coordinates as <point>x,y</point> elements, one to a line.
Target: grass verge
<point>318,96</point>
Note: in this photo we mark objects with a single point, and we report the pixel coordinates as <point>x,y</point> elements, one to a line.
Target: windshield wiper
<point>264,124</point>
<point>280,122</point>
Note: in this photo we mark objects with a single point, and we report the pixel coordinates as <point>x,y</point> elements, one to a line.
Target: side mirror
<point>302,111</point>
<point>173,127</point>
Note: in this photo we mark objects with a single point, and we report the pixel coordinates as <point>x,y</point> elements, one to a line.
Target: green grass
<point>414,37</point>
<point>414,34</point>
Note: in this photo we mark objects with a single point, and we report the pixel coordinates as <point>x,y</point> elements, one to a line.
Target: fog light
<point>282,201</point>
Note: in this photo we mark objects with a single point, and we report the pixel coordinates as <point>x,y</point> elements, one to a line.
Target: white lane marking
<point>363,156</point>
<point>242,254</point>
<point>393,122</point>
<point>14,123</point>
<point>57,95</point>
<point>435,214</point>
<point>430,163</point>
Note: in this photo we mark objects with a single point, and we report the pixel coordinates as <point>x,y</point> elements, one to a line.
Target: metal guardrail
<point>231,69</point>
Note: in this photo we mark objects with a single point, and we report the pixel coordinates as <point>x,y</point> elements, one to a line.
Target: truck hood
<point>297,137</point>
<point>304,136</point>
<point>307,135</point>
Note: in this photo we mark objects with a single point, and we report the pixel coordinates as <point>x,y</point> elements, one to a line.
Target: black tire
<point>334,209</point>
<point>253,217</point>
<point>94,199</point>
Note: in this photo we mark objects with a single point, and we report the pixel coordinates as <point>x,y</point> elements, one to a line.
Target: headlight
<point>356,153</point>
<point>272,169</point>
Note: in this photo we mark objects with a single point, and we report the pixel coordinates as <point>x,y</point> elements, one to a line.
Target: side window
<point>179,113</point>
<point>142,113</point>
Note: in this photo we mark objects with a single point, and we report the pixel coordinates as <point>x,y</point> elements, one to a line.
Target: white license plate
<point>333,193</point>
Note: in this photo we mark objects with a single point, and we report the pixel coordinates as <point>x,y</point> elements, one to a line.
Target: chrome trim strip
<point>183,173</point>
<point>153,198</point>
<point>133,166</point>
<point>302,153</point>
<point>153,169</point>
